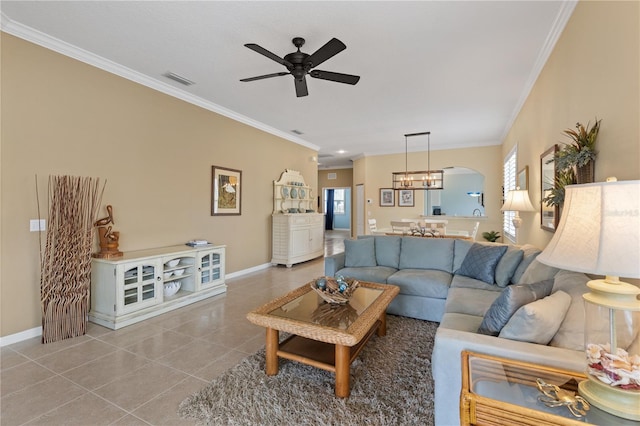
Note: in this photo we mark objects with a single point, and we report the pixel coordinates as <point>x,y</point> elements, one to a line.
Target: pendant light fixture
<point>424,179</point>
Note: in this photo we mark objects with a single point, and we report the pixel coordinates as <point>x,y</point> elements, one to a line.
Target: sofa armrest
<point>333,264</point>
<point>446,364</point>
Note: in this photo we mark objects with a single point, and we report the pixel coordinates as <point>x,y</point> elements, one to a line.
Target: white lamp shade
<point>517,201</point>
<point>599,230</point>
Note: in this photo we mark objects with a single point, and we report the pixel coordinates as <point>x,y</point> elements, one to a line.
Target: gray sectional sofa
<point>489,298</point>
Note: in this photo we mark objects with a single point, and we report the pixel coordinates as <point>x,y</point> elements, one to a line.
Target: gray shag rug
<point>391,384</point>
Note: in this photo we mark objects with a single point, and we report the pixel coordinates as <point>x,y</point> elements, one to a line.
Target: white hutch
<point>297,229</point>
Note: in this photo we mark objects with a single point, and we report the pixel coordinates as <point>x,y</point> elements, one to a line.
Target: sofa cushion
<point>529,254</point>
<point>388,250</point>
<point>467,282</point>
<point>570,335</point>
<point>360,253</point>
<point>507,265</point>
<point>426,253</point>
<point>537,271</point>
<point>461,322</point>
<point>470,301</point>
<point>538,321</point>
<point>422,282</point>
<point>376,274</point>
<point>460,250</point>
<point>481,261</point>
<point>509,301</point>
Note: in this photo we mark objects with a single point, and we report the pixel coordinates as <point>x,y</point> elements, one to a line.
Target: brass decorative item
<point>553,396</point>
<point>109,239</point>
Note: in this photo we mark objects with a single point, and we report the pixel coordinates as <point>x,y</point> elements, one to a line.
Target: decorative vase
<point>584,174</point>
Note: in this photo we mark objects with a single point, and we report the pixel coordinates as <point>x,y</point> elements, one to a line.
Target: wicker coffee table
<point>325,336</point>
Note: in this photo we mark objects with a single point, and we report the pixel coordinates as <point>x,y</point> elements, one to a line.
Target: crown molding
<point>32,35</point>
<point>563,16</point>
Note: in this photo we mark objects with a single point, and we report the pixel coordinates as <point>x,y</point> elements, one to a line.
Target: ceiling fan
<point>299,64</point>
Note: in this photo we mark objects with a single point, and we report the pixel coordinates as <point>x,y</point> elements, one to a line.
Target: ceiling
<point>460,70</point>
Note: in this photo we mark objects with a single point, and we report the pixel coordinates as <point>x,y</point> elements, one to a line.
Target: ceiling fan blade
<point>261,50</point>
<point>301,87</point>
<point>333,47</point>
<point>260,77</point>
<point>335,76</point>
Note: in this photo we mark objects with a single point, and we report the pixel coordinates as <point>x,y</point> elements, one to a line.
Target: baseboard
<point>19,337</point>
<point>37,331</point>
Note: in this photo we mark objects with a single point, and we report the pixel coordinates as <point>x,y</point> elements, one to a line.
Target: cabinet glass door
<point>139,286</point>
<point>210,268</point>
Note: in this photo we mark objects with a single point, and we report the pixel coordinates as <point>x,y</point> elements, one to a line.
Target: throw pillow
<point>509,301</point>
<point>481,261</point>
<point>530,253</point>
<point>507,266</point>
<point>537,322</point>
<point>537,271</point>
<point>359,253</point>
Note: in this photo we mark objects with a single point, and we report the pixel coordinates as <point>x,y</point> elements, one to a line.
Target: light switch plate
<point>36,225</point>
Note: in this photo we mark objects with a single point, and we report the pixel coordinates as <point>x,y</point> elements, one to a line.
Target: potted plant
<point>491,236</point>
<point>556,194</point>
<point>580,153</point>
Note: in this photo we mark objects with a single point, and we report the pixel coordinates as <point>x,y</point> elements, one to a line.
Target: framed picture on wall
<point>523,178</point>
<point>226,191</point>
<point>387,197</point>
<point>405,198</point>
<point>549,215</point>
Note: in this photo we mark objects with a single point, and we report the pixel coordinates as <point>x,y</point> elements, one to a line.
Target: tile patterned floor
<point>139,374</point>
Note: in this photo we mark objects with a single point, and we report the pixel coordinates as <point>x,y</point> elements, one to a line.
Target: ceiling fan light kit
<point>300,64</point>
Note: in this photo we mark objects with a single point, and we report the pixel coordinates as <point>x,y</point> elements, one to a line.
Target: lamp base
<point>619,402</point>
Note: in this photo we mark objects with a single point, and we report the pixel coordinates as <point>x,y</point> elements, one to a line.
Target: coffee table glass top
<point>311,308</point>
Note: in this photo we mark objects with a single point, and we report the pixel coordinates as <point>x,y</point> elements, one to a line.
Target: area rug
<point>391,384</point>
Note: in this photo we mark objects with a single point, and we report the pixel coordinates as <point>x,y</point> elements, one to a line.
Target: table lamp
<point>517,201</point>
<point>599,233</point>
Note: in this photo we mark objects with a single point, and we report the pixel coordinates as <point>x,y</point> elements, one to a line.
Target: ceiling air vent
<point>178,78</point>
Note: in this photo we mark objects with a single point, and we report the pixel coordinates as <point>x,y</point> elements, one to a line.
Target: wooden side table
<point>501,391</point>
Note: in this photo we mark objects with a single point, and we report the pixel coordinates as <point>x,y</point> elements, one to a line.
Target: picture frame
<point>405,198</point>
<point>387,197</point>
<point>549,215</point>
<point>226,191</point>
<point>522,180</point>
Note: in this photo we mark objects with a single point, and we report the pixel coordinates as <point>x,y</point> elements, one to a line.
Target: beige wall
<point>592,72</point>
<point>155,152</point>
<point>377,174</point>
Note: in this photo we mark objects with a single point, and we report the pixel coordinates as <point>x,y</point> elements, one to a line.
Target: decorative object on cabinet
<point>65,266</point>
<point>599,234</point>
<point>145,283</point>
<point>387,197</point>
<point>226,191</point>
<point>405,198</point>
<point>551,190</point>
<point>522,182</point>
<point>425,179</point>
<point>108,239</point>
<point>297,230</point>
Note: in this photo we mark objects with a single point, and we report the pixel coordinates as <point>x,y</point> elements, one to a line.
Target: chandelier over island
<point>424,179</point>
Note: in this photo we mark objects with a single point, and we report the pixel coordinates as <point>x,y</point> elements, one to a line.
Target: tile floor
<point>139,374</point>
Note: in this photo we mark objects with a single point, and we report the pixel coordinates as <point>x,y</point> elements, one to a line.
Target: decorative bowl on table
<point>335,289</point>
<point>171,288</point>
